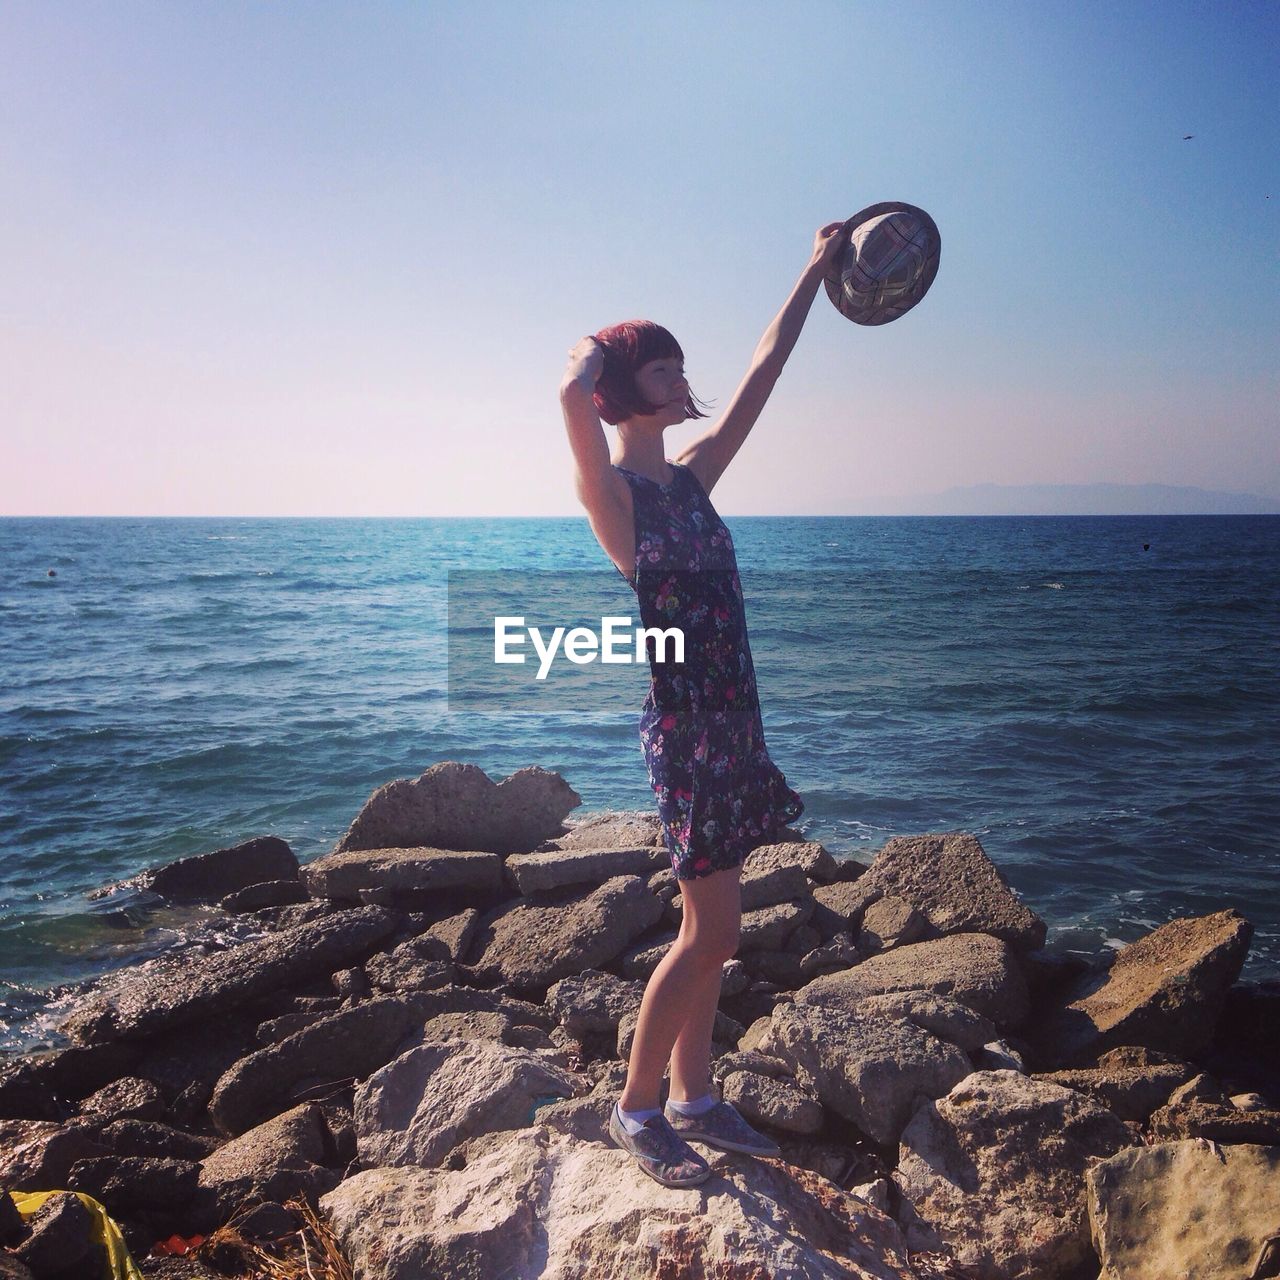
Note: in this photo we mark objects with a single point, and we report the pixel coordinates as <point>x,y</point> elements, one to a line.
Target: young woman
<point>719,794</point>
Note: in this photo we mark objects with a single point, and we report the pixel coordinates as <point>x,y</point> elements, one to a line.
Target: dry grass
<point>310,1253</point>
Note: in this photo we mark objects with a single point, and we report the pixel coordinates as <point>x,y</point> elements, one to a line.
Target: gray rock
<point>724,1031</point>
<point>127,1183</point>
<point>350,1044</point>
<point>546,1204</point>
<point>816,863</point>
<point>416,1109</point>
<point>270,893</point>
<point>1185,1209</point>
<point>593,1003</point>
<point>176,990</point>
<point>995,1172</point>
<point>528,873</point>
<point>974,968</point>
<point>36,1155</point>
<point>778,1104</point>
<point>948,1019</point>
<point>287,1156</point>
<point>150,1138</point>
<point>125,1098</point>
<point>890,922</point>
<point>413,966</point>
<point>612,830</point>
<point>60,1236</point>
<point>951,881</point>
<point>1164,991</point>
<point>871,1070</point>
<point>532,944</point>
<point>458,806</point>
<point>1126,1082</point>
<point>421,870</point>
<point>209,877</point>
<point>767,928</point>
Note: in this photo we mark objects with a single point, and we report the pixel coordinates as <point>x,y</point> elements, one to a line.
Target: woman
<point>719,795</point>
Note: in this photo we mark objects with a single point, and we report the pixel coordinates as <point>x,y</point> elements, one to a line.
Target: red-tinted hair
<point>627,347</point>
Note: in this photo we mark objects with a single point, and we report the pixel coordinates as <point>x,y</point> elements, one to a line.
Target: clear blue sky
<point>312,258</point>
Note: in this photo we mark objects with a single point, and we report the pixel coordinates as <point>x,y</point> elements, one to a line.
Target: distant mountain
<point>1078,500</point>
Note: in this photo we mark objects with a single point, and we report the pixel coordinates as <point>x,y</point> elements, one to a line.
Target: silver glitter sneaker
<point>664,1156</point>
<point>724,1128</point>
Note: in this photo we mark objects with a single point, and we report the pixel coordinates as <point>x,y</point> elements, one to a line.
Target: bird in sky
<point>1187,137</point>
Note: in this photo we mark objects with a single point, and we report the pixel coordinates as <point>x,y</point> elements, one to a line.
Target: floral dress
<point>719,794</point>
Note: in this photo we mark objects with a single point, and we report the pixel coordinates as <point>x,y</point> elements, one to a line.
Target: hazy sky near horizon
<point>327,259</point>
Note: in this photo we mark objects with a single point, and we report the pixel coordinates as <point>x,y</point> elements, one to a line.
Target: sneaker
<point>664,1156</point>
<point>722,1127</point>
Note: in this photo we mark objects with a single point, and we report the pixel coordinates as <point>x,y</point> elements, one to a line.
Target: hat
<point>887,265</point>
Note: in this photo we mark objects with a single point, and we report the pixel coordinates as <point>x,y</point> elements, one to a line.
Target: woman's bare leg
<point>679,1004</point>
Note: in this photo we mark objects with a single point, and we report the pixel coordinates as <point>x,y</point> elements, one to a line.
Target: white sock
<point>694,1107</point>
<point>633,1121</point>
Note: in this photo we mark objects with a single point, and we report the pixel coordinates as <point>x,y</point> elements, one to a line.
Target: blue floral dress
<point>719,794</point>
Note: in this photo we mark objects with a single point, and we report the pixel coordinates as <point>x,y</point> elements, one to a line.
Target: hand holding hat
<point>888,261</point>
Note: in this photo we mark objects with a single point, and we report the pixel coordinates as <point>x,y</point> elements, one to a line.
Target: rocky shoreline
<point>425,1040</point>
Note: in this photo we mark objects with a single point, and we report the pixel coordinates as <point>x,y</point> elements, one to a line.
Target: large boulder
<point>349,1044</point>
<point>612,830</point>
<point>458,806</point>
<point>976,969</point>
<point>1185,1209</point>
<point>286,1156</point>
<point>544,1205</point>
<point>416,1109</point>
<point>531,944</point>
<point>950,880</point>
<point>405,875</point>
<point>175,990</point>
<point>1164,991</point>
<point>538,872</point>
<point>871,1070</point>
<point>995,1172</point>
<point>209,877</point>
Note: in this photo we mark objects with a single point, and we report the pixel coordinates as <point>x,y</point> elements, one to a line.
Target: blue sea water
<point>1102,716</point>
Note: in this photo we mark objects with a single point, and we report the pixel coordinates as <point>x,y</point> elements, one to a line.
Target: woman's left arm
<point>709,455</point>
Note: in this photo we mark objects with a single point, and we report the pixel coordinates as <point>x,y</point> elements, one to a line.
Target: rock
<point>593,1003</point>
<point>416,1109</point>
<point>209,877</point>
<point>348,1045</point>
<point>613,830</point>
<point>808,855</point>
<point>127,1183</point>
<point>640,961</point>
<point>458,806</point>
<point>1184,1209</point>
<point>840,907</point>
<point>413,966</point>
<point>973,968</point>
<point>60,1236</point>
<point>1125,1082</point>
<point>778,1104</point>
<point>437,874</point>
<point>285,1157</point>
<point>544,1204</point>
<point>767,928</point>
<point>1164,991</point>
<point>724,1031</point>
<point>179,989</point>
<point>37,1086</point>
<point>534,943</point>
<point>870,1070</point>
<point>128,1097</point>
<point>528,873</point>
<point>270,893</point>
<point>36,1155</point>
<point>838,953</point>
<point>950,880</point>
<point>1217,1122</point>
<point>941,1016</point>
<point>889,922</point>
<point>994,1171</point>
<point>150,1138</point>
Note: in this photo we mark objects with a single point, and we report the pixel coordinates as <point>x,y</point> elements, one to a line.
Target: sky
<point>327,259</point>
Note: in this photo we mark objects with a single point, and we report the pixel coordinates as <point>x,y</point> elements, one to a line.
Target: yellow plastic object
<point>104,1232</point>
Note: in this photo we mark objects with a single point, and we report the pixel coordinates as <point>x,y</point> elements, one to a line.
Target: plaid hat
<point>888,264</point>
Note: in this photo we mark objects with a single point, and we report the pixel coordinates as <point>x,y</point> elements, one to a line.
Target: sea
<point>1094,698</point>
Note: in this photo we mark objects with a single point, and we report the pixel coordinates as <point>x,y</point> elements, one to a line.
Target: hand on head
<point>586,361</point>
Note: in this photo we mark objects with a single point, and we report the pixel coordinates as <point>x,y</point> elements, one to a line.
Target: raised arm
<point>599,487</point>
<point>711,452</point>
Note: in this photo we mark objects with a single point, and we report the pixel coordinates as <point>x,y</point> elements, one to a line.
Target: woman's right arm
<point>595,478</point>
<point>600,488</point>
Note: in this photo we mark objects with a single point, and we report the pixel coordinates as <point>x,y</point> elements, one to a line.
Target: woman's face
<point>662,382</point>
